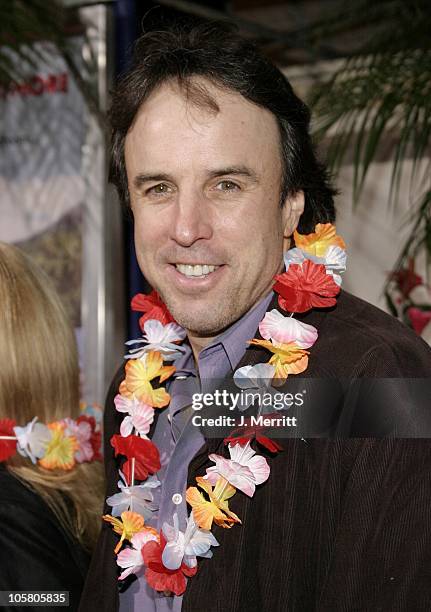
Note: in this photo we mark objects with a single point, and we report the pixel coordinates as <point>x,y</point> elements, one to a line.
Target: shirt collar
<point>234,340</point>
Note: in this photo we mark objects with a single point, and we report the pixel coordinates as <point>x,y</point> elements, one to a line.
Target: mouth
<point>201,270</point>
<point>195,279</point>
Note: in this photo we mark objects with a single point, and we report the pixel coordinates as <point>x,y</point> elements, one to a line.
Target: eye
<point>159,189</point>
<point>227,186</point>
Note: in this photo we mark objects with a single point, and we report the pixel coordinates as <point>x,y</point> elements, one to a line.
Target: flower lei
<point>57,445</point>
<point>311,280</point>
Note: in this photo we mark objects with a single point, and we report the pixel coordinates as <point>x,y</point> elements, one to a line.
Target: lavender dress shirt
<point>178,440</point>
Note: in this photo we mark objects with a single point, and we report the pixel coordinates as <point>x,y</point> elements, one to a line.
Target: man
<point>211,150</point>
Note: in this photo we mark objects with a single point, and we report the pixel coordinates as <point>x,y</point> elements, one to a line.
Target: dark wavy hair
<point>216,52</point>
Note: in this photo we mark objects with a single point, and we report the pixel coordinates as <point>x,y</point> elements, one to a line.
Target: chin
<point>197,320</point>
<point>203,322</point>
<point>199,326</point>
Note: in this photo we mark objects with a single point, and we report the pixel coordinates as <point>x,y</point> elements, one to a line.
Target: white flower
<point>334,260</point>
<point>186,546</point>
<point>130,558</point>
<point>140,415</point>
<point>298,256</point>
<point>32,439</point>
<point>275,326</point>
<point>257,377</point>
<point>254,377</point>
<point>138,498</point>
<point>159,337</point>
<point>244,470</point>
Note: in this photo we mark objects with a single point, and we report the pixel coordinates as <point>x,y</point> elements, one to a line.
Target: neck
<point>198,343</point>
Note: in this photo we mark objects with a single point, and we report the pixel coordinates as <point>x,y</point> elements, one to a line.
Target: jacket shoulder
<point>358,339</point>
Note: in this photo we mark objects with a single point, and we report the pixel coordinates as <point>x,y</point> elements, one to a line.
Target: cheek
<point>256,229</point>
<point>244,221</point>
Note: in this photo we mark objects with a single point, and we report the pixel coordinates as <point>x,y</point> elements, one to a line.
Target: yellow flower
<point>60,451</point>
<point>319,241</point>
<point>140,373</point>
<point>287,358</point>
<point>129,524</point>
<point>217,509</point>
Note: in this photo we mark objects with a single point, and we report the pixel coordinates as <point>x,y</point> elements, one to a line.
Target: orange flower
<point>140,373</point>
<point>287,358</point>
<point>129,524</point>
<point>217,509</point>
<point>318,242</point>
<point>60,452</point>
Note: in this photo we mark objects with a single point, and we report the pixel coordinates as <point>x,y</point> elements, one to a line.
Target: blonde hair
<point>39,376</point>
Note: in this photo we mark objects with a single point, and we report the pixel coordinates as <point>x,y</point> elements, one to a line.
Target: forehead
<point>171,128</point>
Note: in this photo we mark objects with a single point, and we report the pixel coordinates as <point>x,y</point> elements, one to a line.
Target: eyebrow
<point>142,178</point>
<point>235,170</point>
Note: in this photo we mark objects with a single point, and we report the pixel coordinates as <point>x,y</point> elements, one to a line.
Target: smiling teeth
<point>198,270</point>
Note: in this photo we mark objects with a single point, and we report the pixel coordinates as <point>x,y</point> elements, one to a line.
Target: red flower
<point>96,436</point>
<point>153,306</point>
<point>7,447</point>
<point>418,318</point>
<point>305,286</point>
<point>160,577</point>
<point>145,453</point>
<point>242,435</point>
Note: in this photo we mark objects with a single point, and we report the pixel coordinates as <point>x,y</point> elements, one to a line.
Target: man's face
<point>204,190</point>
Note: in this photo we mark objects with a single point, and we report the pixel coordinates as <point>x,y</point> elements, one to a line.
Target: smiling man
<point>204,189</point>
<point>211,151</point>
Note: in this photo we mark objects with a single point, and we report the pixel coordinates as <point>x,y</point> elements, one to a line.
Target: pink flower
<point>279,328</point>
<point>83,432</point>
<point>140,415</point>
<point>130,558</point>
<point>244,470</point>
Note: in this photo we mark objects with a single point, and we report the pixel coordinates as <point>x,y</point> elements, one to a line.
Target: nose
<point>191,220</point>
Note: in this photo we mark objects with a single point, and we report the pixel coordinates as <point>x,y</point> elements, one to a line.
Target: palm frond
<point>381,95</point>
<point>378,94</point>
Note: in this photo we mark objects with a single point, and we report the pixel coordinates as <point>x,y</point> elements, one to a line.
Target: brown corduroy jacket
<point>343,523</point>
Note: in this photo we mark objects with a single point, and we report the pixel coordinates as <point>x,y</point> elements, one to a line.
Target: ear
<point>293,208</point>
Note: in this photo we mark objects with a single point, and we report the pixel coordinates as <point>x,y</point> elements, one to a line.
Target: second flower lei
<point>311,280</point>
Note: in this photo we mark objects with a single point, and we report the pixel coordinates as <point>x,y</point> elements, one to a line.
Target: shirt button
<point>177,499</point>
